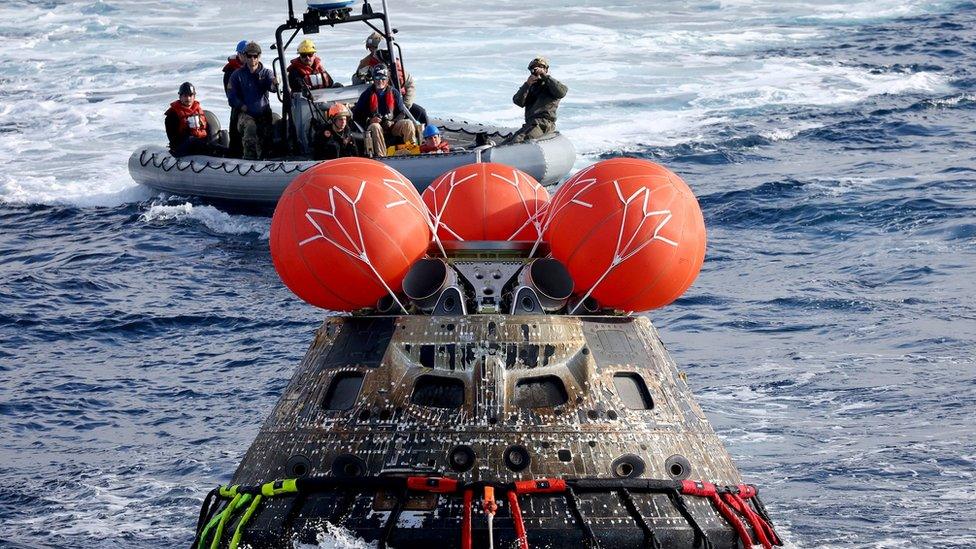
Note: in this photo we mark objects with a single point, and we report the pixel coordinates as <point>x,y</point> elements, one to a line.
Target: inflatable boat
<point>261,182</point>
<point>547,159</point>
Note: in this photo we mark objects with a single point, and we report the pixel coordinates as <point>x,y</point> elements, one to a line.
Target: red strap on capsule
<point>513,506</point>
<point>697,488</point>
<point>754,520</point>
<point>466,520</point>
<point>733,519</point>
<point>541,486</point>
<point>436,485</point>
<point>763,523</point>
<point>747,491</point>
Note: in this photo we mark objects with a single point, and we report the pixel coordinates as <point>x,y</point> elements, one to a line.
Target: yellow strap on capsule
<point>279,487</point>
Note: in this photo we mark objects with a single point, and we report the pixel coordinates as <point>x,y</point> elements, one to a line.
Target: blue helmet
<point>430,131</point>
<point>241,45</point>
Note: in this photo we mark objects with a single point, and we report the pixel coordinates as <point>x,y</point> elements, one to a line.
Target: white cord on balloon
<point>531,218</point>
<point>438,211</point>
<point>584,185</point>
<point>621,252</point>
<point>357,246</point>
<point>397,186</point>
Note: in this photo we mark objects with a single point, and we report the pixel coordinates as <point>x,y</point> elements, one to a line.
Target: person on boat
<point>233,63</point>
<point>434,142</point>
<point>306,71</point>
<point>335,141</point>
<point>379,56</point>
<point>248,91</point>
<point>186,125</point>
<point>540,96</point>
<point>305,74</point>
<point>380,109</point>
<point>362,70</point>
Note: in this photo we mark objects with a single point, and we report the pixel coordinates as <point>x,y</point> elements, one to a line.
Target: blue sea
<point>829,338</point>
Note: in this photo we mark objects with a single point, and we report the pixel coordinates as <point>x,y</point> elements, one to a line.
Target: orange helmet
<point>339,109</point>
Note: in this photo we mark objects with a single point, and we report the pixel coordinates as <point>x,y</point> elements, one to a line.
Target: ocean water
<point>829,338</point>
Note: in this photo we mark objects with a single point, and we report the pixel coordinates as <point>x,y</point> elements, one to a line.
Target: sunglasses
<point>306,55</point>
<point>250,56</point>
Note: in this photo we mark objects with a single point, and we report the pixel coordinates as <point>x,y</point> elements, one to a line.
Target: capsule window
<point>540,392</point>
<point>438,392</point>
<point>633,391</point>
<point>343,391</point>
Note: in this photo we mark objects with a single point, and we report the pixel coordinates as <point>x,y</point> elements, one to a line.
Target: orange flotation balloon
<point>486,201</point>
<point>346,231</point>
<point>629,231</point>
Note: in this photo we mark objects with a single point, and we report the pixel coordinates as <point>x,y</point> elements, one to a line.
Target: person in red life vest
<point>378,56</point>
<point>335,141</point>
<point>233,63</point>
<point>306,74</point>
<point>434,142</point>
<point>381,110</point>
<point>186,125</point>
<point>306,71</point>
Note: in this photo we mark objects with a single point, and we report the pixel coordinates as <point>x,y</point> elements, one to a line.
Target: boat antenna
<point>394,62</point>
<point>291,11</point>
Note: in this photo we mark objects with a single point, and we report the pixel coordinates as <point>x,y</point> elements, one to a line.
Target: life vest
<point>233,63</point>
<point>374,102</point>
<point>407,149</point>
<point>314,75</point>
<point>193,122</point>
<point>444,146</point>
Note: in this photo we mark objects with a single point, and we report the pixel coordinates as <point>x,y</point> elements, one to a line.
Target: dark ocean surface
<point>829,338</point>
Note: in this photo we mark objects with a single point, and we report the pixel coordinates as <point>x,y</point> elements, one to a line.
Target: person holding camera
<point>380,109</point>
<point>539,95</point>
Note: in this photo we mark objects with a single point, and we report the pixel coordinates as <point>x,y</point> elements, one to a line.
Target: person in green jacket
<point>539,95</point>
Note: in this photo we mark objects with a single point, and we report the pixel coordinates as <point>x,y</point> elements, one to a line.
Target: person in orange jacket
<point>233,63</point>
<point>306,73</point>
<point>433,141</point>
<point>186,125</point>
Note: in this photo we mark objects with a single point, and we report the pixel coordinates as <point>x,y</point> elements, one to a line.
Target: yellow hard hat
<point>307,46</point>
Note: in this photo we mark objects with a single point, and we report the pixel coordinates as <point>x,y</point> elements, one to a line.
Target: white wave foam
<point>878,10</point>
<point>953,100</point>
<point>109,189</point>
<point>211,217</point>
<point>722,96</point>
<point>336,537</point>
